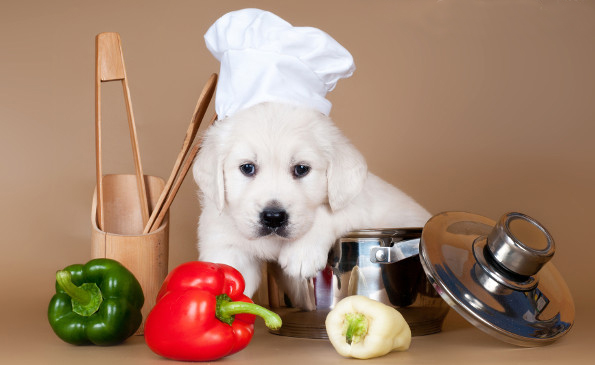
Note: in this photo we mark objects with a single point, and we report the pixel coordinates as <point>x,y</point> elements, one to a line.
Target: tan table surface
<point>26,338</point>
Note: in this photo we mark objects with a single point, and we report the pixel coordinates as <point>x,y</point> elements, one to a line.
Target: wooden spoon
<point>199,113</point>
<point>175,188</point>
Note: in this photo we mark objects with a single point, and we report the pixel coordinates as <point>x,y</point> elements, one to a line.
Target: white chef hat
<point>264,58</point>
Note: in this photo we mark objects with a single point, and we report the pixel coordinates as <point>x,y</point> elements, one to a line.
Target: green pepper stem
<point>64,279</point>
<point>86,298</point>
<point>227,309</point>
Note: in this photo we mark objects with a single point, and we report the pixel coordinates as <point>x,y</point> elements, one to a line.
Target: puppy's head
<point>272,166</point>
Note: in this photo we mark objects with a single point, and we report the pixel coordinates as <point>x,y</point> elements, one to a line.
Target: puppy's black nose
<point>273,217</point>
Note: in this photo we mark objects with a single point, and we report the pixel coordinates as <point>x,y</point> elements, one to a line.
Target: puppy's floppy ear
<point>346,174</point>
<point>208,170</point>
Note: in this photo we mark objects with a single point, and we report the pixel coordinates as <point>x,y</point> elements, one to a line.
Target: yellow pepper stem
<point>355,327</point>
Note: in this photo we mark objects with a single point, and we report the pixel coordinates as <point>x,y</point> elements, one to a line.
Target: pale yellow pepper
<point>363,328</point>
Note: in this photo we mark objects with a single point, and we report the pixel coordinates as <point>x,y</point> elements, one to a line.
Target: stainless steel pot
<point>382,264</point>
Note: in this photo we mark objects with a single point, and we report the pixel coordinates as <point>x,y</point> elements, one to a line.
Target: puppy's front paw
<point>301,264</point>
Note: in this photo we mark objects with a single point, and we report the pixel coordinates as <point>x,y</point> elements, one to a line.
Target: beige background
<point>481,106</point>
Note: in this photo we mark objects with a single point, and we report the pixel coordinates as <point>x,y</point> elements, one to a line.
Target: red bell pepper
<point>201,314</point>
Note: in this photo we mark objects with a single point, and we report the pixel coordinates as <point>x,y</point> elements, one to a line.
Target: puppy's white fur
<point>336,196</point>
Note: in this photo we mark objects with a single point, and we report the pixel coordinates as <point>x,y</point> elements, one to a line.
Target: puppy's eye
<point>300,170</point>
<point>248,169</point>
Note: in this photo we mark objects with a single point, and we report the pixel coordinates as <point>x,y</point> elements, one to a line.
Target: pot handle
<point>399,251</point>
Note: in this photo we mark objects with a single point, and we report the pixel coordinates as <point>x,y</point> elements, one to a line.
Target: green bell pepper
<point>96,303</point>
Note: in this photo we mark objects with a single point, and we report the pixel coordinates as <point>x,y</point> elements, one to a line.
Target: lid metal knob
<point>520,244</point>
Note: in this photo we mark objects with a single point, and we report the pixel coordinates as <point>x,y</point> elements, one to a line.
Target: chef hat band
<point>265,59</point>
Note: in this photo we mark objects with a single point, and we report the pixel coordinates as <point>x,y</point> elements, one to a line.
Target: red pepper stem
<point>226,310</point>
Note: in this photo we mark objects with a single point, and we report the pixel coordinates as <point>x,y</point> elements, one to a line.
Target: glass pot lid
<point>497,275</point>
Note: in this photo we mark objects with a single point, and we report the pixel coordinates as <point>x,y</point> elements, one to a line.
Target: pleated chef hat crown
<point>264,58</point>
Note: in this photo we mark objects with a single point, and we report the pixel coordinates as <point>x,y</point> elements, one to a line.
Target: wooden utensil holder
<point>145,255</point>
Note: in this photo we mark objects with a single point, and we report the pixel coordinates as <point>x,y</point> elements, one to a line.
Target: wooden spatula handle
<point>199,111</point>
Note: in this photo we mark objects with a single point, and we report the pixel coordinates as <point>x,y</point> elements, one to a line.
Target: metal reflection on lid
<point>498,276</point>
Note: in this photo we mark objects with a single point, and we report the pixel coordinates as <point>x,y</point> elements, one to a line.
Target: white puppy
<point>281,183</point>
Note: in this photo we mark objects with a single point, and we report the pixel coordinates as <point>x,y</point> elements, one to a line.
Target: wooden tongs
<point>109,66</point>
